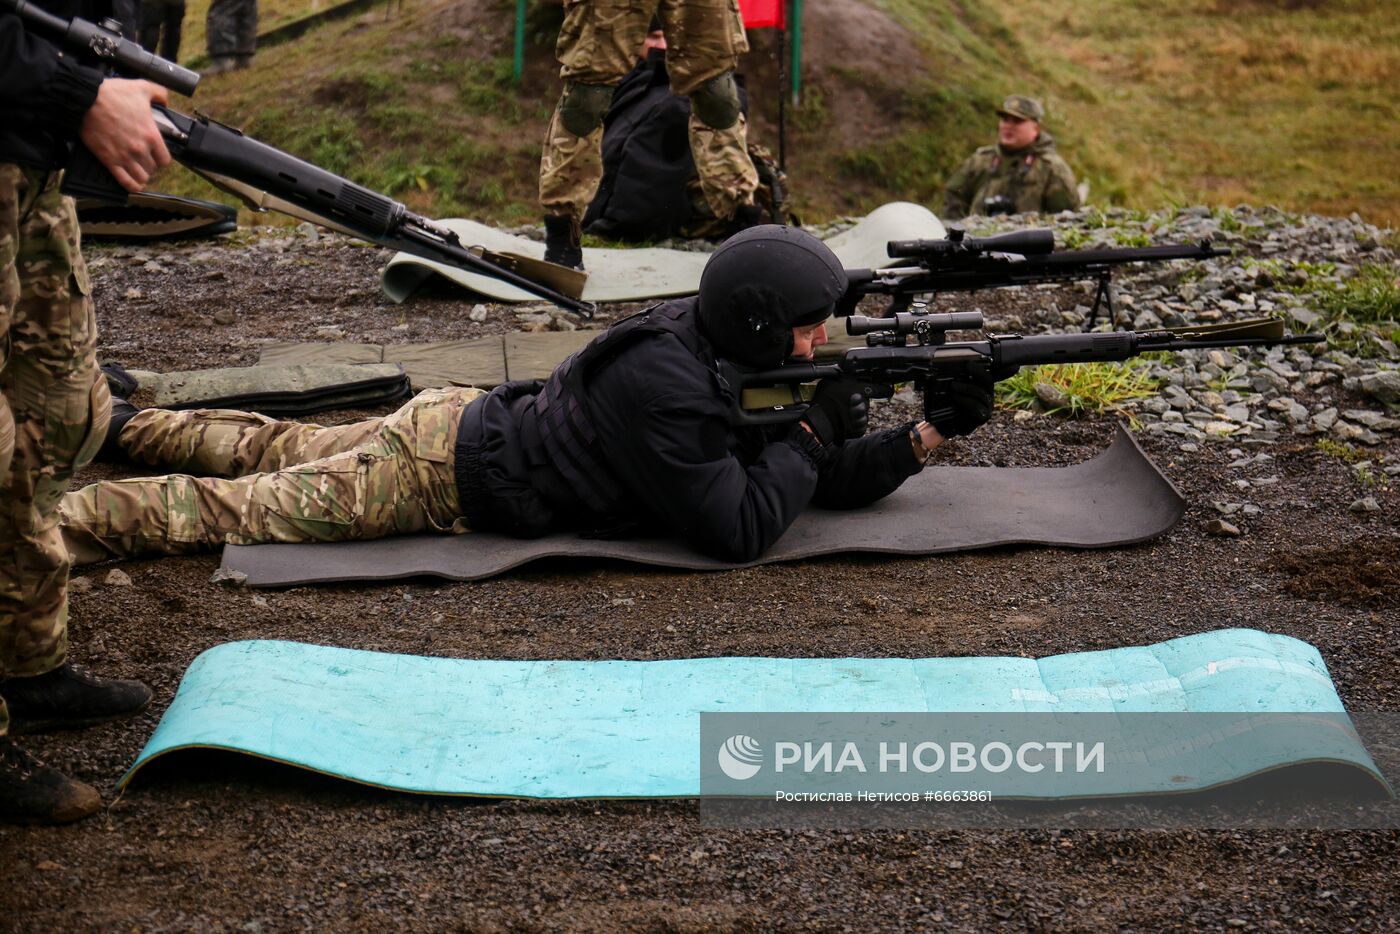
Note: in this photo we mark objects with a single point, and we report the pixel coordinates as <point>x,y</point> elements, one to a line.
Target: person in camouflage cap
<point>53,401</point>
<point>1021,174</point>
<point>598,45</point>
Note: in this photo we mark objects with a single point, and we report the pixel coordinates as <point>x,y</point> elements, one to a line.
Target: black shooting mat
<point>1116,498</point>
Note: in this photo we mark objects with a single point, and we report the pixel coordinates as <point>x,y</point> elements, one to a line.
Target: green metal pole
<point>519,40</point>
<point>796,50</point>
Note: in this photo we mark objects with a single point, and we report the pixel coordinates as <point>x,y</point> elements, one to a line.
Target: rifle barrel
<point>1114,257</point>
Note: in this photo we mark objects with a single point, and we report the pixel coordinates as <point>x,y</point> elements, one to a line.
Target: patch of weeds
<point>422,176</point>
<point>1074,238</point>
<point>811,113</point>
<point>1124,238</point>
<point>1360,313</point>
<point>1082,387</point>
<point>1369,297</point>
<point>491,192</point>
<point>1341,450</point>
<point>400,122</point>
<point>1094,219</point>
<point>332,141</point>
<point>1231,224</point>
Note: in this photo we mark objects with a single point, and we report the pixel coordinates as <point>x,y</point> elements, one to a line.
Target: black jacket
<point>664,429</point>
<point>44,90</point>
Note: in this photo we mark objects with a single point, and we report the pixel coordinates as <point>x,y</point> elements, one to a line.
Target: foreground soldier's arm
<point>112,116</point>
<point>120,132</point>
<point>47,87</point>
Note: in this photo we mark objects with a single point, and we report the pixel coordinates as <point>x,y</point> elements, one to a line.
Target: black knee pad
<point>716,102</point>
<point>583,106</point>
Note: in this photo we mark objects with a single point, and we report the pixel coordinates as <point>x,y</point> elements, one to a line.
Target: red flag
<point>759,14</point>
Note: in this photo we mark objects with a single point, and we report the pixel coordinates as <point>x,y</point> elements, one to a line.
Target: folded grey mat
<point>1117,498</point>
<point>640,273</point>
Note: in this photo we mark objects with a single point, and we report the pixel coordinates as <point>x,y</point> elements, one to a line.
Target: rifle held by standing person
<point>265,177</point>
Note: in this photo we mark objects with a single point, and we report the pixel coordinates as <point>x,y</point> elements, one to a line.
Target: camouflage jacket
<point>1035,179</point>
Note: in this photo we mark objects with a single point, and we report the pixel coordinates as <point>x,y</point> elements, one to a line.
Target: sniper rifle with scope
<point>960,263</point>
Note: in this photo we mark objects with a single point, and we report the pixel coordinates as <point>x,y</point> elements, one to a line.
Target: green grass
<point>1215,101</point>
<point>1224,101</point>
<point>1086,387</point>
<point>1341,450</point>
<point>1372,296</point>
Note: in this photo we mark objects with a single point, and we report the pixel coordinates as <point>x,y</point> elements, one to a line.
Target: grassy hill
<point>1289,102</point>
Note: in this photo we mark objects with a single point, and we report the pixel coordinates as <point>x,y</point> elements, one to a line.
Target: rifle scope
<point>106,42</point>
<point>1024,242</point>
<point>908,322</point>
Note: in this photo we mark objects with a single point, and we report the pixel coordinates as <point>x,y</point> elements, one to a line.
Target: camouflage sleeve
<point>1061,192</point>
<point>957,195</point>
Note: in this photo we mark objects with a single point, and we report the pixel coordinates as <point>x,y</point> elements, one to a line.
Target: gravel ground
<point>216,843</point>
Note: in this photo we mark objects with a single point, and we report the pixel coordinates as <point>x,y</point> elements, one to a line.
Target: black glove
<point>840,410</point>
<point>960,405</point>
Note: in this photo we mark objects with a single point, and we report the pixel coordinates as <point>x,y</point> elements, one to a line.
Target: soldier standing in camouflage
<point>597,48</point>
<point>1021,174</point>
<point>54,402</point>
<point>231,34</point>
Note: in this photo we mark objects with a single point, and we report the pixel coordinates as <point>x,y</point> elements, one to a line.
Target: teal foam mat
<point>624,729</point>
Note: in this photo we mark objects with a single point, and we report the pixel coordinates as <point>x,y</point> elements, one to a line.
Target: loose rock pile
<point>1249,398</point>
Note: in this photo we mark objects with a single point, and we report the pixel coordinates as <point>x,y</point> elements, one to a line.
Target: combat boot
<point>34,793</point>
<point>562,239</point>
<point>111,451</point>
<point>69,697</point>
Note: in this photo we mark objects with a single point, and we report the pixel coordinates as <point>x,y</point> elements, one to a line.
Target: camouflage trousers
<point>53,411</point>
<point>598,45</point>
<point>272,481</point>
<point>231,28</point>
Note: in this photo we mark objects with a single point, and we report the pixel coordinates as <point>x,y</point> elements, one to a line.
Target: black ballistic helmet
<point>760,284</point>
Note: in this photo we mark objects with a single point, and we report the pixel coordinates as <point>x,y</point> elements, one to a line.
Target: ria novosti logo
<point>740,757</point>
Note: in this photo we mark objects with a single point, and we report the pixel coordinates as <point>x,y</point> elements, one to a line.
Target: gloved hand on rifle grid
<point>839,411</point>
<point>962,404</point>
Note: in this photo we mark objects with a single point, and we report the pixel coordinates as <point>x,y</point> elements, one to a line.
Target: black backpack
<point>650,189</point>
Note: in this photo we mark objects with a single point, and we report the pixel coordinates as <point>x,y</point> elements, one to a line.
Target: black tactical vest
<point>565,436</point>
